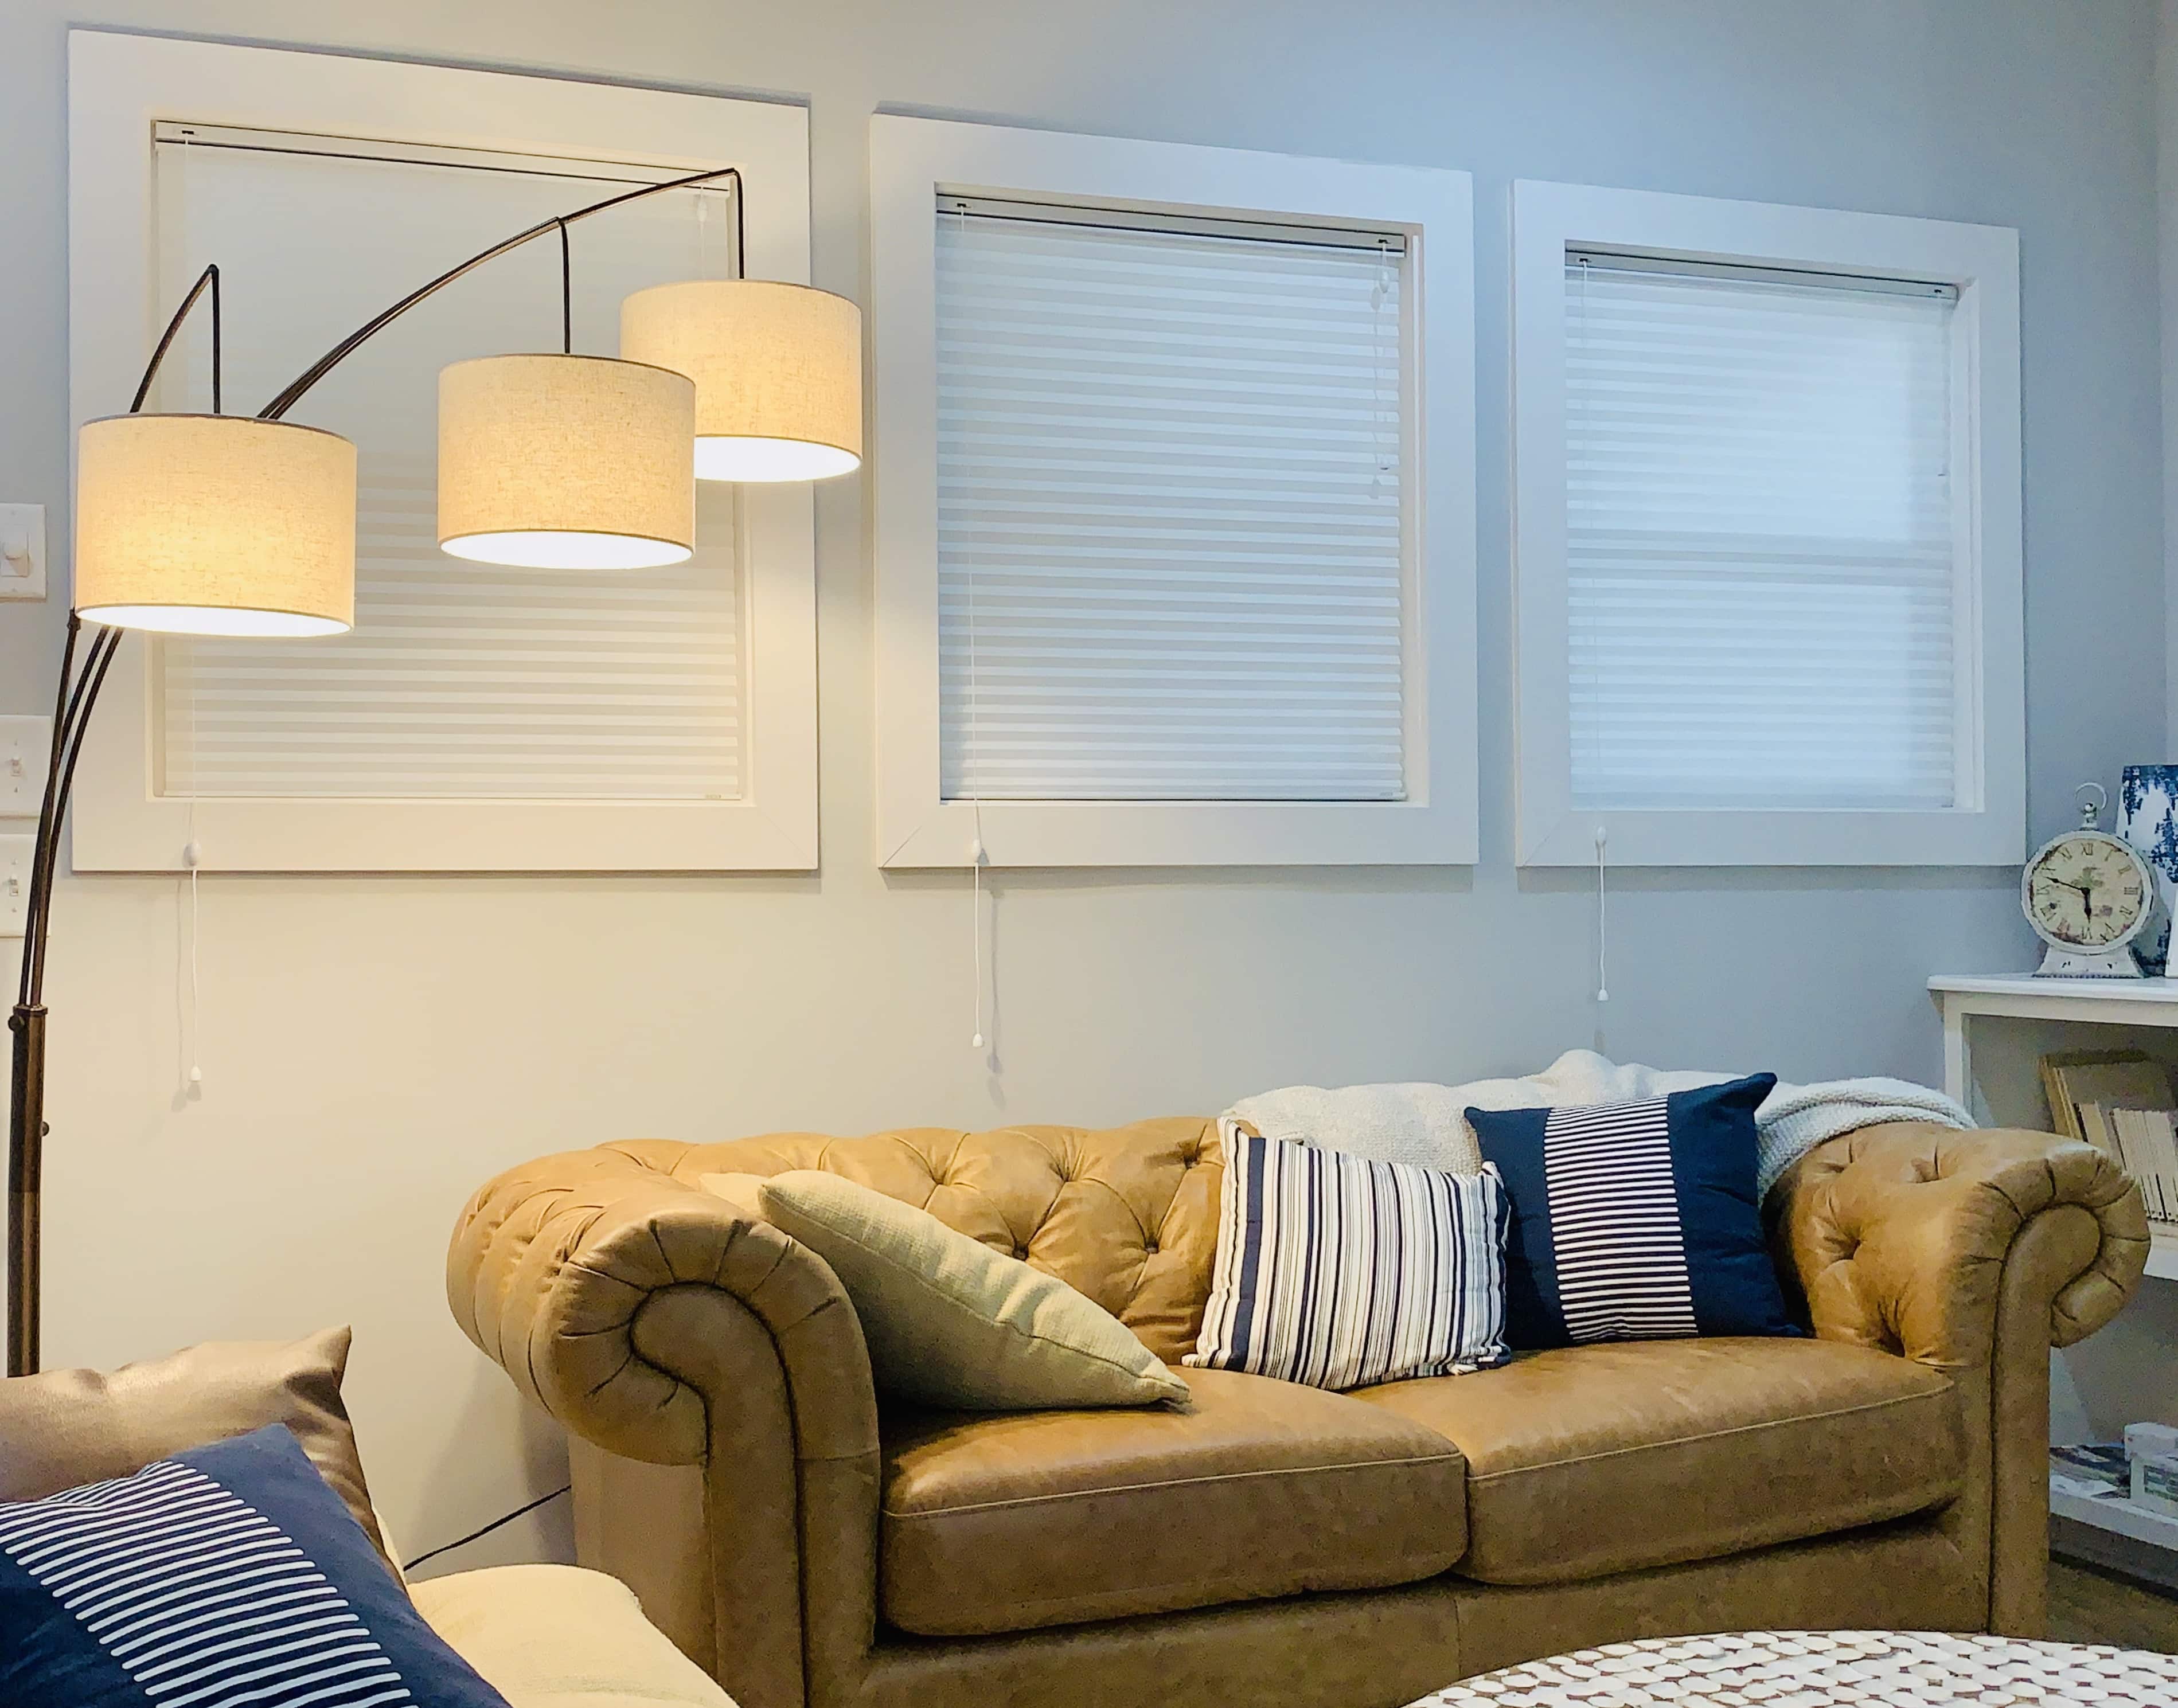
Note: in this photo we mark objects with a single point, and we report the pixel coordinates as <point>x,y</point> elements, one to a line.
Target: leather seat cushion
<point>1591,1460</point>
<point>1010,1522</point>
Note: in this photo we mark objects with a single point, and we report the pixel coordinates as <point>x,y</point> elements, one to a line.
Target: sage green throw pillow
<point>949,1322</point>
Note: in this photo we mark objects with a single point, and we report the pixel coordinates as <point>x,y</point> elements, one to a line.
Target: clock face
<point>2085,892</point>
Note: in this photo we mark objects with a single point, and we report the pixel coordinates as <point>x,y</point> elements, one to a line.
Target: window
<point>1768,534</point>
<point>1169,518</point>
<point>1153,586</point>
<point>1759,566</point>
<point>477,718</point>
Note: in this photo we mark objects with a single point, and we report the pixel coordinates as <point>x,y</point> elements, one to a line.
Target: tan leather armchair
<point>811,1549</point>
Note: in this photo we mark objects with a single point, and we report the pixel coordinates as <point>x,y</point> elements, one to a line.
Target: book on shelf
<point>2120,1102</point>
<point>2144,1143</point>
<point>2115,1078</point>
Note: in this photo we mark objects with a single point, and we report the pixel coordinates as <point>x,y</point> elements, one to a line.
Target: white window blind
<point>1762,552</point>
<point>1169,520</point>
<point>460,680</point>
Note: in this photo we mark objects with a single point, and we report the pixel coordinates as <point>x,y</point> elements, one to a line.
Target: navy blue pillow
<point>227,1574</point>
<point>1635,1222</point>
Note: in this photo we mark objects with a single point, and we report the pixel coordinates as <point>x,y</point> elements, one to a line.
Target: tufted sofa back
<point>1125,1214</point>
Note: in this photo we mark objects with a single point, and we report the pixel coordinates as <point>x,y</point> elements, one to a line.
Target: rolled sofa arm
<point>1975,1252</point>
<point>1900,1236</point>
<point>661,1324</point>
<point>554,1264</point>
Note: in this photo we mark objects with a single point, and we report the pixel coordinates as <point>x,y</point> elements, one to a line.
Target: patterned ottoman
<point>1820,1669</point>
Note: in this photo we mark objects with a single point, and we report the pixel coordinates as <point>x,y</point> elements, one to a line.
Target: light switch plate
<point>26,750</point>
<point>22,551</point>
<point>14,884</point>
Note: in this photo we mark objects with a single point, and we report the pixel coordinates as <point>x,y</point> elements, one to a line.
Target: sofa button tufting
<point>1149,1248</point>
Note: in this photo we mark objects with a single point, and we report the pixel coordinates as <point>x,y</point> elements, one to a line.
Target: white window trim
<point>1988,827</point>
<point>119,87</point>
<point>911,161</point>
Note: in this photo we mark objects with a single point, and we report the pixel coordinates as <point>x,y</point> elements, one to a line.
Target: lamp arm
<point>74,699</point>
<point>33,924</point>
<point>208,279</point>
<point>72,709</point>
<point>60,781</point>
<point>293,392</point>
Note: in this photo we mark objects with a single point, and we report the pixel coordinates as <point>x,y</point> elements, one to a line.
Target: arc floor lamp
<point>245,525</point>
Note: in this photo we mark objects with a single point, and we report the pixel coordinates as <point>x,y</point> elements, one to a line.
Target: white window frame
<point>913,161</point>
<point>119,86</point>
<point>1988,827</point>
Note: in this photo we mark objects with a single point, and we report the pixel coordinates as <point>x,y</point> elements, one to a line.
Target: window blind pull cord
<point>977,853</point>
<point>976,858</point>
<point>192,858</point>
<point>1602,985</point>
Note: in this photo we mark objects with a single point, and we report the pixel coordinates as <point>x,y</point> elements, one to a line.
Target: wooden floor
<point>2087,1605</point>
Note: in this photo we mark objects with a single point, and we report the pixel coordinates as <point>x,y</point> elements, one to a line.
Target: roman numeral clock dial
<point>2086,893</point>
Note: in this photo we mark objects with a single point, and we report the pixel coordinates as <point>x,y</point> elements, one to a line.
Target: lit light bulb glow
<point>750,459</point>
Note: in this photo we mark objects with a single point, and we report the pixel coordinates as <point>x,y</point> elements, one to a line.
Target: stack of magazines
<point>2091,1470</point>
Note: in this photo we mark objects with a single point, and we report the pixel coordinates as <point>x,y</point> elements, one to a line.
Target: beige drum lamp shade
<point>778,370</point>
<point>565,462</point>
<point>215,525</point>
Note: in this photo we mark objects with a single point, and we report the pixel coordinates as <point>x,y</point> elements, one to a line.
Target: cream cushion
<point>949,1322</point>
<point>560,1637</point>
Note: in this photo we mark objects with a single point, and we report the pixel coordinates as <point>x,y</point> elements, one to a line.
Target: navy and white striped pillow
<point>1635,1222</point>
<point>1336,1271</point>
<point>228,1574</point>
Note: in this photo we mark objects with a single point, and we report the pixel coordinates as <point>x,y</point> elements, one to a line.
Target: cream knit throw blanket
<point>1426,1124</point>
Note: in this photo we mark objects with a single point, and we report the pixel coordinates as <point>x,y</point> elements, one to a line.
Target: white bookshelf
<point>2110,1530</point>
<point>2007,988</point>
<point>1996,1029</point>
<point>1964,998</point>
<point>2118,1515</point>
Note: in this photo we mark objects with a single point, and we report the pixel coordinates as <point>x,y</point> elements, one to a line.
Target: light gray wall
<point>375,1047</point>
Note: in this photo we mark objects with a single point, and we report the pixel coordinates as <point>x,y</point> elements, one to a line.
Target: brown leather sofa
<point>814,1548</point>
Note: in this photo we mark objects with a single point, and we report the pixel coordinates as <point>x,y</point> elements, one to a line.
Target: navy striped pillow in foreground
<point>1635,1222</point>
<point>1336,1271</point>
<point>228,1576</point>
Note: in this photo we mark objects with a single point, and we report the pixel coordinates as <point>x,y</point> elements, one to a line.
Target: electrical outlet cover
<point>25,748</point>
<point>14,884</point>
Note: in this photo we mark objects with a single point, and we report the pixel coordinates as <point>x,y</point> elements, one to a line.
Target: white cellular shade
<point>1761,550</point>
<point>460,680</point>
<point>1170,526</point>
